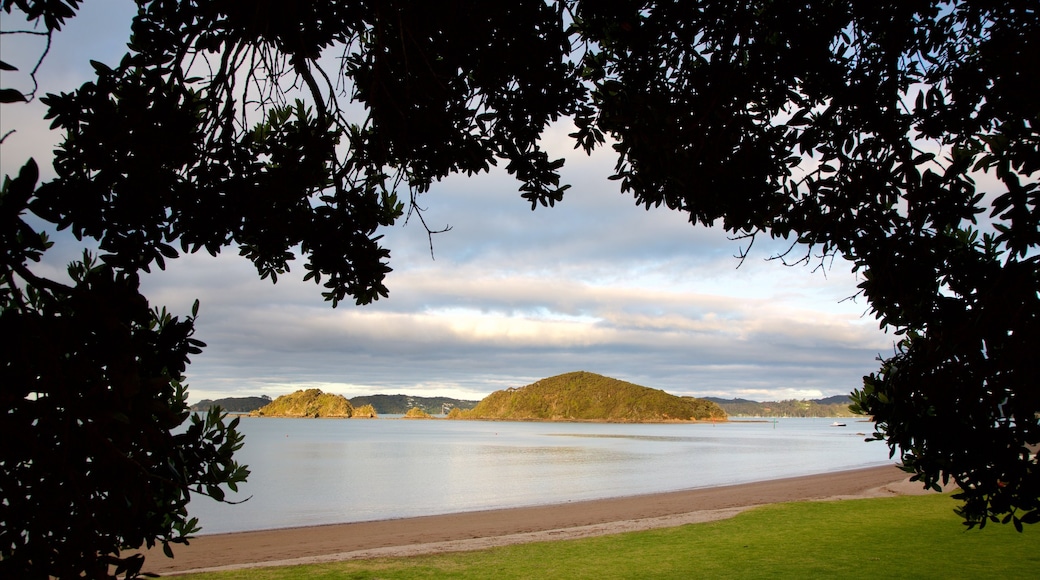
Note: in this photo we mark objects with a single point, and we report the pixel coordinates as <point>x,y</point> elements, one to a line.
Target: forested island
<point>584,396</point>
<point>311,403</point>
<point>367,405</point>
<point>580,396</point>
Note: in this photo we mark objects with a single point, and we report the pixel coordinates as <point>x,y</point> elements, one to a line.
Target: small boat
<point>837,424</point>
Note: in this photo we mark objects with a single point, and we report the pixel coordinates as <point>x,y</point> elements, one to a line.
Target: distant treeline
<point>383,404</point>
<point>836,406</point>
<point>233,404</point>
<point>401,404</point>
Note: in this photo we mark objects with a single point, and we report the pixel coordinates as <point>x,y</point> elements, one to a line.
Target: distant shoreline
<point>538,420</point>
<point>495,420</point>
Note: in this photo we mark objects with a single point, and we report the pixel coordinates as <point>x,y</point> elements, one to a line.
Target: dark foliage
<point>853,128</point>
<point>94,459</point>
<point>219,128</point>
<point>859,129</point>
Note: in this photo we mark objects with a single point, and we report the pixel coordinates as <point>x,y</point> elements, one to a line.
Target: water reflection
<point>619,436</point>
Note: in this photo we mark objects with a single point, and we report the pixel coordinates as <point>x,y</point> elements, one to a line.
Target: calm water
<point>314,471</point>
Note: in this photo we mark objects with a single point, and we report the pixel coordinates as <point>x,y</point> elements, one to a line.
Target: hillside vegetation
<point>232,404</point>
<point>583,396</point>
<point>375,405</point>
<point>308,403</point>
<point>400,404</point>
<point>365,412</point>
<point>837,406</point>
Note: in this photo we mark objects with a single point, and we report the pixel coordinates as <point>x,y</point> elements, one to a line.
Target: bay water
<point>321,471</point>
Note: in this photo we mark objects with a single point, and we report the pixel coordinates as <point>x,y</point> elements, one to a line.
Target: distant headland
<point>367,406</point>
<point>576,396</point>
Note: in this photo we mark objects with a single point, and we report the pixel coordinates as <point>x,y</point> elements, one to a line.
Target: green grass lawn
<point>901,537</point>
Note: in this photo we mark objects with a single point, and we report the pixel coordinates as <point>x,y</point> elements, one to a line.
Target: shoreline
<point>476,530</point>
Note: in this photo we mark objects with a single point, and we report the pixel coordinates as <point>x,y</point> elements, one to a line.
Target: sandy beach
<point>483,529</point>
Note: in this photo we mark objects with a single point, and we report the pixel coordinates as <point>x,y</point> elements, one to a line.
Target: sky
<point>509,295</point>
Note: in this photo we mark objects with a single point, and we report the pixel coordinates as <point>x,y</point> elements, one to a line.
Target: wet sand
<point>483,529</point>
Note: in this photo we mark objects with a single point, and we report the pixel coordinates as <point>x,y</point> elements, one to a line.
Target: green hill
<point>309,403</point>
<point>837,406</point>
<point>401,404</point>
<point>582,396</point>
<point>232,404</point>
<point>417,413</point>
<point>365,412</point>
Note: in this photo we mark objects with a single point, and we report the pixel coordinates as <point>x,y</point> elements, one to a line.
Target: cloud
<point>463,329</point>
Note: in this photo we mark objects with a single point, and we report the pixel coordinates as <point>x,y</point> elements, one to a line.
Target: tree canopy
<point>900,135</point>
<point>861,129</point>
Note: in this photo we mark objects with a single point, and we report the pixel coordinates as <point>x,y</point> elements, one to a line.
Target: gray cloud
<point>467,328</point>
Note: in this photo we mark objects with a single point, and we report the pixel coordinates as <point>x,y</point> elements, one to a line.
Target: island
<point>576,396</point>
<point>585,396</point>
<point>308,403</point>
<point>372,406</point>
<point>417,413</point>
